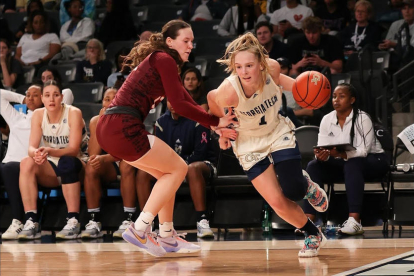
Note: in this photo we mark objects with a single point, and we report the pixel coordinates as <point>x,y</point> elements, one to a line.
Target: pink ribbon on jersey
<point>204,137</point>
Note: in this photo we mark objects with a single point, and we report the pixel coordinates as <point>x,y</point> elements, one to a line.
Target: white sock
<point>130,209</point>
<point>166,229</point>
<point>144,219</point>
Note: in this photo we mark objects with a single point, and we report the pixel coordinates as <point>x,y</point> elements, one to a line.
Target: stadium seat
<point>66,71</point>
<point>307,138</point>
<point>89,110</point>
<point>14,20</point>
<point>211,46</point>
<point>86,92</point>
<point>205,28</point>
<point>115,46</point>
<point>152,117</point>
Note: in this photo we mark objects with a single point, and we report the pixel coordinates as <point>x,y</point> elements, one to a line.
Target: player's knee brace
<point>69,168</point>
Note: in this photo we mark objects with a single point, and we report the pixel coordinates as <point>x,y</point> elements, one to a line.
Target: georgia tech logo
<point>315,79</point>
<point>251,157</point>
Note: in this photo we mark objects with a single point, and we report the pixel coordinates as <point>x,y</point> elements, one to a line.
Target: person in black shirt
<point>315,50</point>
<point>335,16</point>
<point>95,67</point>
<point>273,46</point>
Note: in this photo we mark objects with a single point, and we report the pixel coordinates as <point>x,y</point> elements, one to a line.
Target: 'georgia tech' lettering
<point>57,140</point>
<point>261,109</point>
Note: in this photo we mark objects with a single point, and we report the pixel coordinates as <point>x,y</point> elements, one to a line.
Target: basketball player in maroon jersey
<point>122,134</point>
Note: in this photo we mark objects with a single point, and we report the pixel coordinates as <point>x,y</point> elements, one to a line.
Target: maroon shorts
<point>123,136</point>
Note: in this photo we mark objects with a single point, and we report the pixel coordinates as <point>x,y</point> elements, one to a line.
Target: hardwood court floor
<point>257,257</point>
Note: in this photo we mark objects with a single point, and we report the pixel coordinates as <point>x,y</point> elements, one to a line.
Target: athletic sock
<point>73,215</point>
<point>32,215</point>
<point>310,228</point>
<point>95,214</point>
<point>144,219</point>
<point>201,215</point>
<point>166,229</point>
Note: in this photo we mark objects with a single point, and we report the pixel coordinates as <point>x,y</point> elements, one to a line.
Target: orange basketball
<point>311,90</point>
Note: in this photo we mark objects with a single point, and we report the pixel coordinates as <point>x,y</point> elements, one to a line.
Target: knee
<point>27,165</point>
<point>354,165</point>
<point>69,168</point>
<point>90,171</point>
<point>195,170</point>
<point>126,169</point>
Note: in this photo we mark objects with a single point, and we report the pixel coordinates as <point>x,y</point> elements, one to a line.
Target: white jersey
<point>262,130</point>
<point>56,135</point>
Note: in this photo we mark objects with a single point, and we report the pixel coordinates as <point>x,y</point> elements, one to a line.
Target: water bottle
<point>266,223</point>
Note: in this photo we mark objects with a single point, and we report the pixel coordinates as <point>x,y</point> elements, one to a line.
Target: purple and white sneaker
<point>145,240</point>
<point>176,244</point>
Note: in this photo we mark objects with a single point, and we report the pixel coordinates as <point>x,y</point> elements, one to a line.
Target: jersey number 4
<point>262,121</point>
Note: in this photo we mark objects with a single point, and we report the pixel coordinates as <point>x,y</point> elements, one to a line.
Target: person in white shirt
<point>347,124</point>
<point>19,124</point>
<point>293,13</point>
<point>38,47</point>
<point>78,28</point>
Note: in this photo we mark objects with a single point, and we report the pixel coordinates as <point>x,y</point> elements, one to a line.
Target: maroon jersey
<point>153,79</point>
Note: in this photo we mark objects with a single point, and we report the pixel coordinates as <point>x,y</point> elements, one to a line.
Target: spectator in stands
<point>34,5</point>
<point>315,50</point>
<point>117,79</point>
<point>18,147</point>
<point>334,15</point>
<point>201,10</point>
<point>59,127</point>
<point>78,28</point>
<point>118,23</point>
<point>398,29</point>
<point>11,71</point>
<point>95,67</point>
<point>362,32</point>
<point>347,124</point>
<point>240,18</point>
<point>51,73</point>
<point>192,142</point>
<point>274,47</point>
<point>104,168</point>
<point>38,46</point>
<point>145,36</point>
<point>88,10</point>
<point>289,17</point>
<point>193,83</point>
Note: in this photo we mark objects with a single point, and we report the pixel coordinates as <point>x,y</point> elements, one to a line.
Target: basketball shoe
<point>70,231</point>
<point>125,224</point>
<point>30,231</point>
<point>316,195</point>
<point>92,230</point>
<point>204,230</point>
<point>145,240</point>
<point>176,244</point>
<point>312,245</point>
<point>13,231</point>
<point>351,227</point>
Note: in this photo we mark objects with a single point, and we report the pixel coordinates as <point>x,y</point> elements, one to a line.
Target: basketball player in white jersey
<point>266,144</point>
<point>54,151</point>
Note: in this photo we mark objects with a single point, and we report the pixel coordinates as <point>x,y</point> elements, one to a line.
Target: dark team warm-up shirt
<point>187,138</point>
<point>157,77</point>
